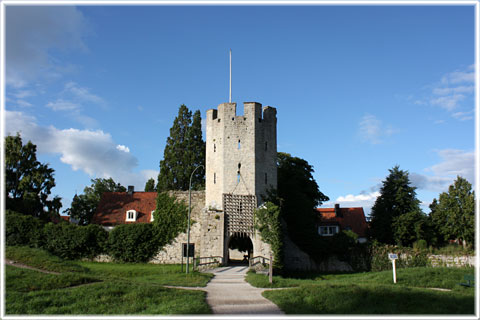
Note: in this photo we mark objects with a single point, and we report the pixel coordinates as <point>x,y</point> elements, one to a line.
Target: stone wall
<point>452,261</point>
<point>172,253</point>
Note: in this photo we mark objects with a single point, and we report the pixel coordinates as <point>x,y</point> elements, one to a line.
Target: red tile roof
<point>66,218</point>
<point>353,218</point>
<point>113,206</point>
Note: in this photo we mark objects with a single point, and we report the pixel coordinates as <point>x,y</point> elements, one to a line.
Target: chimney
<point>338,213</point>
<point>130,190</point>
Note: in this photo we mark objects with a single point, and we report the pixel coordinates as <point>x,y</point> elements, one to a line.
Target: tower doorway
<point>240,249</point>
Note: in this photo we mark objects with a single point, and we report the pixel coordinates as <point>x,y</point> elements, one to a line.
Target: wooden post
<point>270,270</point>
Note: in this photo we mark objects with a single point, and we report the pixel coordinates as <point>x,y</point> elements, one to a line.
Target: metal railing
<point>205,261</point>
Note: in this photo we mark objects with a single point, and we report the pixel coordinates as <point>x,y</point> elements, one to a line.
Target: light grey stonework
<point>241,153</point>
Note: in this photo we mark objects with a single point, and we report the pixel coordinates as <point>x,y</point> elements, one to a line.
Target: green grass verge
<point>109,297</point>
<point>110,288</point>
<point>25,280</point>
<point>41,259</point>
<point>372,292</point>
<point>147,273</point>
<point>370,299</point>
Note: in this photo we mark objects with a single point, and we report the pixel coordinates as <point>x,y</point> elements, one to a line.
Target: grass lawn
<point>372,292</point>
<point>98,288</point>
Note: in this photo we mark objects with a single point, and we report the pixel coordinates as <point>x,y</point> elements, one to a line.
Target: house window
<point>152,218</point>
<point>327,230</point>
<point>131,215</point>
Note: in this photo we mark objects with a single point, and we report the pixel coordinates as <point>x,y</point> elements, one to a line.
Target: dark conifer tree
<point>184,151</point>
<point>397,197</point>
<point>150,185</point>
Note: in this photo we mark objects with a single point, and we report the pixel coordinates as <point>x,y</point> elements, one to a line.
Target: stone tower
<point>240,167</point>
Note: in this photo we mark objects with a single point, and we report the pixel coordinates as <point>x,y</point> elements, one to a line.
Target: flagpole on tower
<point>230,95</point>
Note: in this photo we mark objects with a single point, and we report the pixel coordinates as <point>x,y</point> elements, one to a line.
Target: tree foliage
<point>83,206</point>
<point>268,224</point>
<point>150,185</point>
<point>397,198</point>
<point>28,182</point>
<point>409,227</point>
<point>184,151</point>
<point>298,195</point>
<point>454,213</point>
<point>170,218</point>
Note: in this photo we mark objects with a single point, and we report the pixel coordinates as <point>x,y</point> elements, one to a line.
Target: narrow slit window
<point>265,178</point>
<point>214,178</point>
<point>266,145</point>
<point>214,148</point>
<point>238,177</point>
<point>239,145</point>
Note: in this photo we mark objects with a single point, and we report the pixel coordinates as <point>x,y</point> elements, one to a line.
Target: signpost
<point>393,257</point>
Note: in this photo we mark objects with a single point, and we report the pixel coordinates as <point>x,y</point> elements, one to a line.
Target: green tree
<point>298,195</point>
<point>268,224</point>
<point>454,214</point>
<point>170,218</point>
<point>150,185</point>
<point>83,206</point>
<point>184,151</point>
<point>28,182</point>
<point>397,197</point>
<point>409,227</point>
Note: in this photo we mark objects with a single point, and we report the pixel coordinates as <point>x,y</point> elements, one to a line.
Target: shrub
<point>69,241</point>
<point>23,230</point>
<point>407,257</point>
<point>133,242</point>
<point>420,244</point>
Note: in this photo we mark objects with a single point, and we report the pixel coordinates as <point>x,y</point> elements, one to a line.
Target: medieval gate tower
<point>241,166</point>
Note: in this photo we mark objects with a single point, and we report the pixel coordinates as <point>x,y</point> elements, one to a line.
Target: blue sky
<point>358,89</point>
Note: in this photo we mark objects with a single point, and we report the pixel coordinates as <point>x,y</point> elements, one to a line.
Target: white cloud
<point>93,152</point>
<point>31,33</point>
<point>82,94</point>
<point>447,90</point>
<point>23,103</point>
<point>123,148</point>
<point>463,116</point>
<point>364,200</point>
<point>373,131</point>
<point>62,105</point>
<point>449,102</point>
<point>454,163</point>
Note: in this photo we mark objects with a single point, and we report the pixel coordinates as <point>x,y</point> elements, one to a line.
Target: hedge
<point>23,230</point>
<point>70,241</point>
<point>133,242</point>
